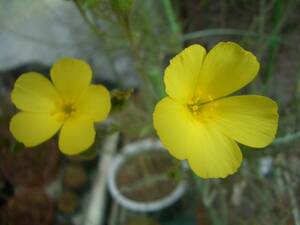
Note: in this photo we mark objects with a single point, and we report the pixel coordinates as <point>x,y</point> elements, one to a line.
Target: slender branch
<point>216,32</point>
<point>93,27</point>
<point>287,138</point>
<point>232,32</point>
<point>171,16</point>
<point>293,198</point>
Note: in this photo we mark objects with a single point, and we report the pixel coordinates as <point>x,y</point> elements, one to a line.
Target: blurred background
<point>128,43</point>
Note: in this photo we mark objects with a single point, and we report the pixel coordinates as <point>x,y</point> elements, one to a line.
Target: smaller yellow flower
<point>70,103</point>
<point>198,123</point>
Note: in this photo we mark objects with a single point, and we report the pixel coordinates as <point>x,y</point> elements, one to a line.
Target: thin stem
<point>232,32</point>
<point>171,16</point>
<point>93,27</point>
<point>292,197</point>
<point>140,66</point>
<point>287,138</point>
<point>217,32</point>
<point>273,42</point>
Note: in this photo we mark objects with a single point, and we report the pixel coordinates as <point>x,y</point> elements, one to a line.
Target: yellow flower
<point>71,103</point>
<point>196,122</point>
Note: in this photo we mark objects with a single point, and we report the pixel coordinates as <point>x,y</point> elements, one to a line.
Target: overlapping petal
<point>95,103</point>
<point>33,92</point>
<point>76,135</point>
<point>71,77</point>
<point>172,122</point>
<point>182,75</point>
<point>226,69</point>
<point>33,128</point>
<point>209,152</point>
<point>250,119</point>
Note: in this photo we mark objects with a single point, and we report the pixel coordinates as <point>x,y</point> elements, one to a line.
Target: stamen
<point>68,109</point>
<point>63,110</point>
<point>200,110</point>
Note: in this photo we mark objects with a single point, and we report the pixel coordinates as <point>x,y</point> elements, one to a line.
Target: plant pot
<point>140,177</point>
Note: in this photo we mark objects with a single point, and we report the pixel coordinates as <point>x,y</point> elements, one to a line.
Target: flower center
<point>64,110</point>
<point>201,110</point>
<point>68,109</point>
<point>194,108</point>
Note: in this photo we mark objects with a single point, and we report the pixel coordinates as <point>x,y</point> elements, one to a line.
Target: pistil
<point>64,110</point>
<point>201,110</point>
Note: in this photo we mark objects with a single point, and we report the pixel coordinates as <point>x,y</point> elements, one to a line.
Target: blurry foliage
<point>68,202</point>
<point>122,8</point>
<point>129,26</point>
<point>141,220</point>
<point>89,3</point>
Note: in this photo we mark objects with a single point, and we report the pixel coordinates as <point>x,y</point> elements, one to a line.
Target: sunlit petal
<point>250,119</point>
<point>212,154</point>
<point>172,123</point>
<point>33,92</point>
<point>226,69</point>
<point>76,135</point>
<point>33,128</point>
<point>95,103</point>
<point>182,74</point>
<point>71,77</point>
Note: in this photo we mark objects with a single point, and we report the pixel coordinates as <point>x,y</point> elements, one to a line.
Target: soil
<point>145,177</point>
<point>75,176</point>
<point>30,167</point>
<point>31,207</point>
<point>142,220</point>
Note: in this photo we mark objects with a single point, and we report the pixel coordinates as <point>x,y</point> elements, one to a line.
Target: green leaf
<point>17,147</point>
<point>121,7</point>
<point>90,3</point>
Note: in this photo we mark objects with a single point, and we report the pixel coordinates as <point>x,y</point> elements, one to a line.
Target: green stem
<point>293,198</point>
<point>262,21</point>
<point>93,27</point>
<point>232,32</point>
<point>216,32</point>
<point>171,16</point>
<point>147,87</point>
<point>287,138</point>
<point>274,44</point>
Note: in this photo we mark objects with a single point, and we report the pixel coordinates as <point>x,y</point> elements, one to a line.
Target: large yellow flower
<point>71,103</point>
<point>196,122</point>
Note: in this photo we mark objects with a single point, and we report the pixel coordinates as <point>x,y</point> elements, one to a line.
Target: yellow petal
<point>172,121</point>
<point>33,128</point>
<point>76,135</point>
<point>33,92</point>
<point>226,69</point>
<point>211,154</point>
<point>95,103</point>
<point>183,72</point>
<point>250,119</point>
<point>71,77</point>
